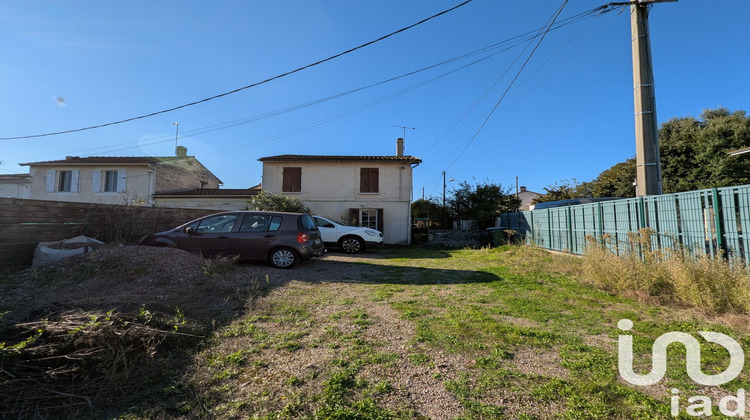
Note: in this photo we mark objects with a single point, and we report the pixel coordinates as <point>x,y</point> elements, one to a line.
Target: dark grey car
<point>281,239</point>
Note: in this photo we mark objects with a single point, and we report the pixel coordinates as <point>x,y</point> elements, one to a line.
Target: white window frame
<point>55,181</point>
<point>99,182</point>
<point>368,218</point>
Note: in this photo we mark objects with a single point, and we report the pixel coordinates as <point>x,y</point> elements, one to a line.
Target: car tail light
<point>303,237</point>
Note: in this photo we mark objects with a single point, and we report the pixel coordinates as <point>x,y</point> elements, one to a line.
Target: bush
<point>268,201</point>
<point>712,285</point>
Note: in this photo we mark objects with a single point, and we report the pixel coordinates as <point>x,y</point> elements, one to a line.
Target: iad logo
<point>701,404</point>
<point>692,359</point>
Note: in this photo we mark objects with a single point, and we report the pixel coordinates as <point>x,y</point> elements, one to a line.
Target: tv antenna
<point>404,127</point>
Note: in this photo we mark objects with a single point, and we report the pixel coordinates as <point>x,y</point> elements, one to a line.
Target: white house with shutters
<point>117,180</point>
<point>370,191</point>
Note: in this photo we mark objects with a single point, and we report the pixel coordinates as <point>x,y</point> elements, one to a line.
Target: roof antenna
<point>404,127</point>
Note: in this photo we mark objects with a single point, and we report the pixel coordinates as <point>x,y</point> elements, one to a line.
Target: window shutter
<point>292,180</point>
<point>74,182</point>
<point>122,176</point>
<point>380,221</point>
<point>96,180</point>
<point>50,181</point>
<point>368,180</point>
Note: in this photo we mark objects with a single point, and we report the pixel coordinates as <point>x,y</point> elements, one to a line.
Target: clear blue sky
<point>69,65</point>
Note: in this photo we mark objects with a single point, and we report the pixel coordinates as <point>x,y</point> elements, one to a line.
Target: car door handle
<point>223,237</point>
<point>269,236</point>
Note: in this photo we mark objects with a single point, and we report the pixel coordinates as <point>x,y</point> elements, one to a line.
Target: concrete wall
<point>332,188</point>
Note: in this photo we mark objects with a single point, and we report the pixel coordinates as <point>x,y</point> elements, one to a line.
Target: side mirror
<point>190,230</point>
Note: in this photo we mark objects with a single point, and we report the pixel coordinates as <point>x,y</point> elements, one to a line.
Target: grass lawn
<point>429,333</point>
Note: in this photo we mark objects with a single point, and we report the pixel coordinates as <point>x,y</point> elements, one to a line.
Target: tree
<point>430,209</point>
<point>482,202</point>
<point>694,151</point>
<point>564,190</point>
<point>268,201</point>
<point>616,181</point>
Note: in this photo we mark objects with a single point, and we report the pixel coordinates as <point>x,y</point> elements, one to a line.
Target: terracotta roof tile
<point>338,158</point>
<point>210,192</point>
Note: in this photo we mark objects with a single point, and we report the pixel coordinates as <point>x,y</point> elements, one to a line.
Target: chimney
<point>523,189</point>
<point>181,151</point>
<point>400,147</point>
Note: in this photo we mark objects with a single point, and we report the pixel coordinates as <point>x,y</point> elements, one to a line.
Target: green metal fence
<point>705,222</point>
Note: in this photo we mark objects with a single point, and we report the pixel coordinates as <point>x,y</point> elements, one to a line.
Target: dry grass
<point>671,275</point>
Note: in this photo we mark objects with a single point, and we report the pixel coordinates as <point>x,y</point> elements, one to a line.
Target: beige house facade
<point>369,191</point>
<point>117,180</point>
<point>526,198</point>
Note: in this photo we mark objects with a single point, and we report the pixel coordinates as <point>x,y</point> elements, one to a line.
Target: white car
<point>351,239</point>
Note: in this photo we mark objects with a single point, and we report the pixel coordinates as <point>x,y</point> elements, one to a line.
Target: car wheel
<point>283,258</point>
<point>351,244</point>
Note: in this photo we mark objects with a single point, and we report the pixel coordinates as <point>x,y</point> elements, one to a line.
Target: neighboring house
<point>15,186</point>
<point>369,191</point>
<point>117,180</point>
<point>526,198</point>
<point>207,198</point>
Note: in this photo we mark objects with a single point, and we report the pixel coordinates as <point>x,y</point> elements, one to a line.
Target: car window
<point>306,222</point>
<point>275,223</point>
<point>324,223</point>
<point>222,223</point>
<point>256,223</point>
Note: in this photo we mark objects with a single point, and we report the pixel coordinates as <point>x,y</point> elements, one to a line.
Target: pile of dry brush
<point>98,334</point>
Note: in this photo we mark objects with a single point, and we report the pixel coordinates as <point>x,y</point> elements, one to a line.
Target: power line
<point>511,83</point>
<point>164,111</point>
<point>597,11</point>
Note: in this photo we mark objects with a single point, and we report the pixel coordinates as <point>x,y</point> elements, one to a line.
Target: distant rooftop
<point>14,178</point>
<point>109,160</point>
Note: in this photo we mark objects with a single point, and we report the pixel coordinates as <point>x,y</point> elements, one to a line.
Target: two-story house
<point>117,180</point>
<point>370,191</point>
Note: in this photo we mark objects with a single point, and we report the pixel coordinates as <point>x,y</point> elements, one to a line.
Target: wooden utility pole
<point>648,165</point>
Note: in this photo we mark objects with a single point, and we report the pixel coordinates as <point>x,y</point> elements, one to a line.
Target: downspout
<point>151,185</point>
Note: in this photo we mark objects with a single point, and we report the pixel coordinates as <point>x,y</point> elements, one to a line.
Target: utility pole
<point>443,190</point>
<point>648,165</point>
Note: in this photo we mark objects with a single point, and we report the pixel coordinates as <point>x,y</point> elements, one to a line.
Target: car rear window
<point>305,222</point>
<point>260,223</point>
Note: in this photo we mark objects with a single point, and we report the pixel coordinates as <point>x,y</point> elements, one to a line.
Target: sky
<point>481,97</point>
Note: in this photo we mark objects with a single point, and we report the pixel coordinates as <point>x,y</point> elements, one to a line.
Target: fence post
<point>570,229</point>
<point>549,228</point>
<point>642,213</point>
<point>601,222</point>
<point>531,229</point>
<point>717,222</point>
